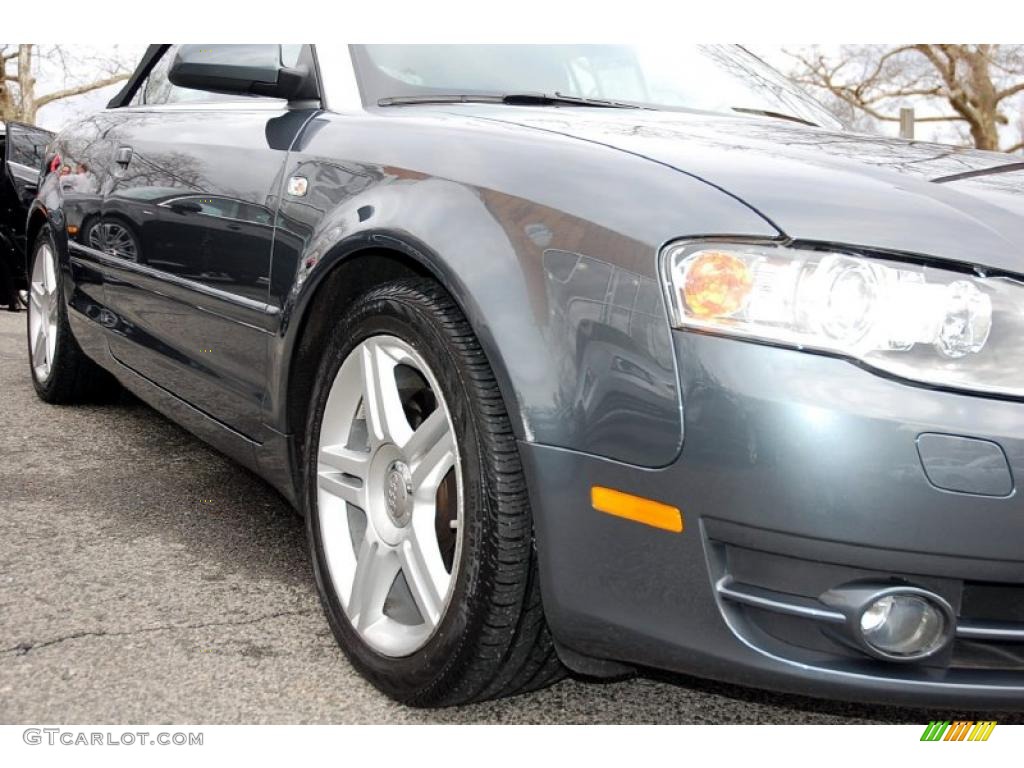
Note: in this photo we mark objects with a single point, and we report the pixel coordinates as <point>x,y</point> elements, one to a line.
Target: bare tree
<point>78,71</point>
<point>973,85</point>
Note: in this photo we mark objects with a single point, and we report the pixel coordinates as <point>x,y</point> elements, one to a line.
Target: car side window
<point>26,146</point>
<point>254,213</point>
<point>218,207</point>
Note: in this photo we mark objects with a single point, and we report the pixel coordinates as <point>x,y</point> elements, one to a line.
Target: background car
<point>21,154</point>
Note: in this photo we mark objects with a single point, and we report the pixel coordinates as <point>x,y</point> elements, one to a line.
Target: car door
<point>188,275</point>
<point>24,147</point>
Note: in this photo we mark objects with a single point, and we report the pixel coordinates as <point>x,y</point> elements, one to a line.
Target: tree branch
<point>1011,91</point>
<point>79,89</point>
<point>927,119</point>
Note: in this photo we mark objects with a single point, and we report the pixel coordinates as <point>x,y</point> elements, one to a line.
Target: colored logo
<point>959,730</point>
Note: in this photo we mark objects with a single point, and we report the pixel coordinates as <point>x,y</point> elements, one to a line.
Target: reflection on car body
<point>574,357</point>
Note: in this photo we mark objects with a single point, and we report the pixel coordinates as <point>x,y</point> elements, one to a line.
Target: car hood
<point>814,184</point>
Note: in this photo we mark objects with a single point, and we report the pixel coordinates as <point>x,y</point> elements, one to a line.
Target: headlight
<point>937,326</point>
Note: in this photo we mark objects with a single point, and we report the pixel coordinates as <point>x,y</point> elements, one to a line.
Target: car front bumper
<point>798,473</point>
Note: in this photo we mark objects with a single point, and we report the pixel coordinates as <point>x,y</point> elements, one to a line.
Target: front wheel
<point>417,511</point>
<point>61,373</point>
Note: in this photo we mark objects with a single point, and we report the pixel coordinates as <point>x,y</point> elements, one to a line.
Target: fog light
<point>904,626</point>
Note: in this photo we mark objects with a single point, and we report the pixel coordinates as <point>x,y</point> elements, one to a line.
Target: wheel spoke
<point>432,431</point>
<point>39,349</point>
<point>376,569</point>
<point>49,278</point>
<point>384,414</point>
<point>428,587</point>
<point>345,487</point>
<point>36,297</point>
<point>340,459</point>
<point>343,473</point>
<point>431,452</point>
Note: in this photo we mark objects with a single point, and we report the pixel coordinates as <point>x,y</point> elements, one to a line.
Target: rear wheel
<point>61,373</point>
<point>417,512</point>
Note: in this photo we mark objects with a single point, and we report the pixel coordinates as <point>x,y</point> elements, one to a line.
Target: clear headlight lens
<point>922,323</point>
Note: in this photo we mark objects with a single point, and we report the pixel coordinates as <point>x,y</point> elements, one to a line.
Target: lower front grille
<point>984,601</point>
<point>778,600</point>
<point>971,654</point>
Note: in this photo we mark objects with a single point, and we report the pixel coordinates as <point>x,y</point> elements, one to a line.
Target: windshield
<point>711,78</point>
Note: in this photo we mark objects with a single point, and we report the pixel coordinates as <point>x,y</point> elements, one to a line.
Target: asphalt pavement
<point>145,578</point>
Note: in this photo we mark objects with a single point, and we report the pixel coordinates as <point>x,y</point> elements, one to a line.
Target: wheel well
<point>345,282</point>
<point>35,223</point>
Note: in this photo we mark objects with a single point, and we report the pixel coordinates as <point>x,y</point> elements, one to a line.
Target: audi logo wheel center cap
<point>398,493</point>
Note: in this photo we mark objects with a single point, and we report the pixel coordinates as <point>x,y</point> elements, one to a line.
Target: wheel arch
<point>38,217</point>
<point>46,208</point>
<point>344,273</point>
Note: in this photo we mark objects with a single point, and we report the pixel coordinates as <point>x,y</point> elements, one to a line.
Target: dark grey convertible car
<point>585,357</point>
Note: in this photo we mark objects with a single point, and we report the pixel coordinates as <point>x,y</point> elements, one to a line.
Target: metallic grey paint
<point>546,225</point>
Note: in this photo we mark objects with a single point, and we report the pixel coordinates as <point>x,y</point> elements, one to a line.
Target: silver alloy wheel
<point>42,312</point>
<point>387,469</point>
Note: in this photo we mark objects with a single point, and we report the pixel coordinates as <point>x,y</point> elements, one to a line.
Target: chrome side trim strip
<point>131,266</point>
<point>775,601</point>
<point>990,630</point>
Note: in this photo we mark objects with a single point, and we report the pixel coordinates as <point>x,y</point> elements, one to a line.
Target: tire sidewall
<point>409,677</point>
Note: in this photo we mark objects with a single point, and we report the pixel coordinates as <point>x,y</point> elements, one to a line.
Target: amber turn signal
<point>717,284</point>
<point>636,508</point>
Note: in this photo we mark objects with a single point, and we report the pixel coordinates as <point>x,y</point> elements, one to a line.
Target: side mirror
<point>248,70</point>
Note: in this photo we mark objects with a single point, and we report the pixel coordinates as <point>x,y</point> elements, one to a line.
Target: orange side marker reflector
<point>637,509</point>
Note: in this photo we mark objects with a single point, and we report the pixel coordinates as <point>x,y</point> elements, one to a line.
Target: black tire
<point>492,640</point>
<point>73,377</point>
